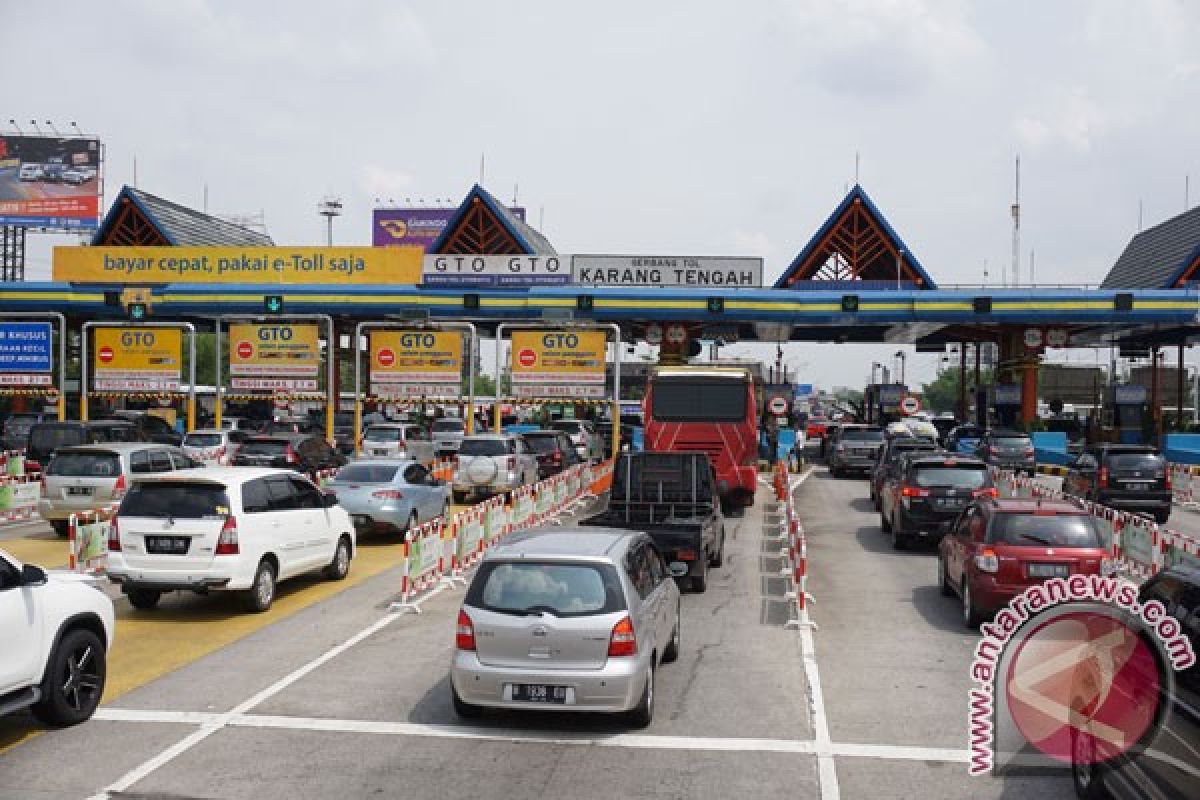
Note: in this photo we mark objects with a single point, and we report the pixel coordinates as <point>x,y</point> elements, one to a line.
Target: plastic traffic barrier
<point>18,496</point>
<point>793,548</point>
<point>87,539</point>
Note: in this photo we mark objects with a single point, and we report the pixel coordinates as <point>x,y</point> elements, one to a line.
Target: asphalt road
<point>342,698</point>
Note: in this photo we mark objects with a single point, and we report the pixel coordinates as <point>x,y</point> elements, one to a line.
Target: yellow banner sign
<point>265,265</point>
<point>433,357</point>
<point>558,357</point>
<point>274,349</point>
<point>137,359</point>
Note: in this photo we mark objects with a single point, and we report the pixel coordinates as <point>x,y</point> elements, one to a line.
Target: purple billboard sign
<point>414,227</point>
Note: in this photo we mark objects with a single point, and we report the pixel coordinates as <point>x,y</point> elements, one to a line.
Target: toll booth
<point>1006,402</point>
<point>1124,412</point>
<point>881,401</point>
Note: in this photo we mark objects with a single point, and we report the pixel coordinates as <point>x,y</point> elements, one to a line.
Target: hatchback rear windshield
<point>85,465</point>
<point>483,447</point>
<point>447,425</point>
<point>860,435</point>
<point>960,477</point>
<point>570,426</point>
<point>1136,461</point>
<point>367,473</point>
<point>264,447</point>
<point>378,434</point>
<point>1031,530</point>
<point>564,590</point>
<point>202,440</point>
<point>176,500</point>
<point>1013,441</point>
<point>52,438</point>
<point>542,444</point>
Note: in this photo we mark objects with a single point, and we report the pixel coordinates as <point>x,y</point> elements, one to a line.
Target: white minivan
<point>239,529</point>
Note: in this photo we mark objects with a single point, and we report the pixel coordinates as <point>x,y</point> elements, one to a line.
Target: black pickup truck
<point>673,498</point>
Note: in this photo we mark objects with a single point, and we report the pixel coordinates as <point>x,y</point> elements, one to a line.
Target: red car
<point>815,428</point>
<point>998,548</point>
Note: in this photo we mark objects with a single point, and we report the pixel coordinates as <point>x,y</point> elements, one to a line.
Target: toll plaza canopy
<point>842,286</point>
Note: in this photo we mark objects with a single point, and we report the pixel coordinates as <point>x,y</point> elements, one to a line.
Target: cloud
<point>1067,118</point>
<point>383,182</point>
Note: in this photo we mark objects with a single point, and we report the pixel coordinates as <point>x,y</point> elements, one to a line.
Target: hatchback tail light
<point>464,633</point>
<point>556,457</point>
<point>389,494</point>
<point>119,488</point>
<point>1102,478</point>
<point>1167,479</point>
<point>623,641</point>
<point>227,544</point>
<point>991,492</point>
<point>114,536</point>
<point>913,491</point>
<point>685,555</point>
<point>987,561</point>
<point>290,455</point>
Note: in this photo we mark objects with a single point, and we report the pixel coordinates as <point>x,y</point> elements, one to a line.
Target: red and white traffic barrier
<point>794,553</point>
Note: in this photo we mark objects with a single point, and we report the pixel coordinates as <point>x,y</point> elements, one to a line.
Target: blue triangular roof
<point>856,194</point>
<point>532,242</point>
<point>179,225</point>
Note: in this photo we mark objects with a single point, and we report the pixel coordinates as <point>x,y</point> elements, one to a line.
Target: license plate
<point>167,545</point>
<point>78,490</point>
<point>1137,486</point>
<point>538,693</point>
<point>380,452</point>
<point>1048,570</point>
<point>951,502</point>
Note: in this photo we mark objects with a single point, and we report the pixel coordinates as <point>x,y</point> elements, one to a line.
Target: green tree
<point>942,393</point>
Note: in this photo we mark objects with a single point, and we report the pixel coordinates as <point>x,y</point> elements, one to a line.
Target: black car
<point>553,449</point>
<point>944,426</point>
<point>854,448</point>
<point>153,428</point>
<point>964,438</point>
<point>303,452</point>
<point>1125,477</point>
<point>1163,762</point>
<point>926,491</point>
<point>46,437</point>
<point>892,449</point>
<point>17,427</point>
<point>1007,450</point>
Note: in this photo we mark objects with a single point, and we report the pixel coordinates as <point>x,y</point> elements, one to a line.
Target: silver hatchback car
<point>567,620</point>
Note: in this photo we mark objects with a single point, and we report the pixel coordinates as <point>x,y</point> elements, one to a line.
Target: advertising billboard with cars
<point>25,354</point>
<point>49,182</point>
<point>414,227</point>
<point>416,363</point>
<point>276,356</point>
<point>137,359</point>
<point>564,363</point>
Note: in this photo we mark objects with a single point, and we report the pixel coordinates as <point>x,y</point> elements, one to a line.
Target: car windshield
<point>1012,441</point>
<point>542,444</point>
<point>202,440</point>
<point>1146,461</point>
<point>366,473</point>
<point>51,438</point>
<point>447,425</point>
<point>85,465</point>
<point>563,590</point>
<point>861,435</point>
<point>483,447</point>
<point>1032,530</point>
<point>960,477</point>
<point>380,434</point>
<point>263,447</point>
<point>193,500</point>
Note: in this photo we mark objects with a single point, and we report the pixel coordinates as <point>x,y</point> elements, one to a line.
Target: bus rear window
<point>698,401</point>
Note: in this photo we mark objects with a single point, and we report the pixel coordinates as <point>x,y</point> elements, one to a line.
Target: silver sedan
<point>390,495</point>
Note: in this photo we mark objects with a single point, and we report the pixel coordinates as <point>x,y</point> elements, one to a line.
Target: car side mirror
<point>329,499</point>
<point>678,569</point>
<point>32,576</point>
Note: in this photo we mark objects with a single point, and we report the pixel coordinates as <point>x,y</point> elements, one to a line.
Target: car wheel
<point>875,501</point>
<point>339,567</point>
<point>1086,774</point>
<point>718,558</point>
<point>835,472</point>
<point>899,540</point>
<point>464,709</point>
<point>643,714</point>
<point>413,522</point>
<point>700,582</point>
<point>61,527</point>
<point>944,578</point>
<point>971,615</point>
<point>261,594</point>
<point>74,679</point>
<point>1162,515</point>
<point>145,599</point>
<point>672,651</point>
<point>459,497</point>
<point>884,522</point>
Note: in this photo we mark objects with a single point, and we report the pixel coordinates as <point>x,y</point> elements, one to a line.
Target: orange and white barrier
<point>87,539</point>
<point>794,551</point>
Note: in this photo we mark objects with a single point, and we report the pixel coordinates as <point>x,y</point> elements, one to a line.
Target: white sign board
<point>910,405</point>
<point>540,390</point>
<point>777,406</point>
<point>496,271</point>
<point>691,271</point>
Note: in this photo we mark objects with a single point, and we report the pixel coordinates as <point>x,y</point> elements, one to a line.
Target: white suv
<point>56,631</point>
<point>226,529</point>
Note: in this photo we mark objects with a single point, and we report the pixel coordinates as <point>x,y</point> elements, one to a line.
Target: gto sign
<point>496,271</point>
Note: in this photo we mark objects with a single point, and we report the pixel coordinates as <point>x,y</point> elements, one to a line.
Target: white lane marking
<point>620,740</point>
<point>212,726</point>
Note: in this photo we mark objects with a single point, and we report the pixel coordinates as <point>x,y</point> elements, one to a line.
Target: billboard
<point>25,354</point>
<point>49,182</point>
<point>496,271</point>
<point>276,356</point>
<point>686,271</point>
<point>558,359</point>
<point>416,363</point>
<point>256,265</point>
<point>137,359</point>
<point>415,227</point>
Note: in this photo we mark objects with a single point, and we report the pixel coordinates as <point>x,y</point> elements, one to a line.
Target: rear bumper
<point>225,572</point>
<point>615,687</point>
<point>930,525</point>
<point>201,585</point>
<point>1134,500</point>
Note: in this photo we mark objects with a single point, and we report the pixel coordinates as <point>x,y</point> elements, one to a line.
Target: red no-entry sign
<point>245,350</point>
<point>105,355</point>
<point>385,357</point>
<point>527,357</point>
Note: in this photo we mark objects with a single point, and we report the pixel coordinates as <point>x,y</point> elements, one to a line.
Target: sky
<point>695,127</point>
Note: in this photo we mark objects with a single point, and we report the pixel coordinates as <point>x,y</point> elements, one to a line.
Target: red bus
<point>710,410</point>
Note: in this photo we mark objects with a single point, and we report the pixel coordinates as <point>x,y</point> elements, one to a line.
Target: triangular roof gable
<point>1160,257</point>
<point>530,241</point>
<point>805,261</point>
<point>177,225</point>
